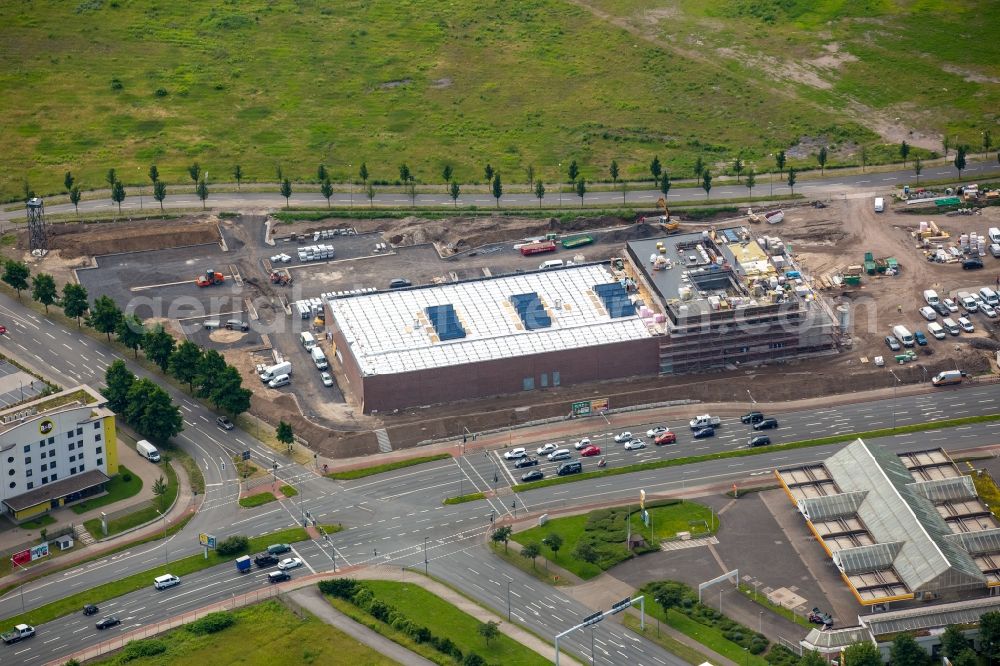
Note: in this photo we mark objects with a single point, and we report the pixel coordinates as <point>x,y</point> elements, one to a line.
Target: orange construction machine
<point>210,278</point>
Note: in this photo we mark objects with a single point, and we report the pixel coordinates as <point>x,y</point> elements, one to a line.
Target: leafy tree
<point>15,273</point>
<point>160,192</point>
<point>751,181</point>
<point>669,594</point>
<point>655,168</point>
<point>118,194</point>
<point>370,193</point>
<point>791,179</point>
<point>906,652</point>
<point>158,346</point>
<point>613,170</point>
<point>502,534</point>
<point>74,301</point>
<point>159,490</point>
<point>363,173</point>
<point>960,160</point>
<point>812,658</point>
<point>184,362</point>
<point>119,380</point>
<point>581,189</point>
<point>821,158</point>
<point>699,166</point>
<point>228,393</point>
<point>238,175</point>
<point>945,143</point>
<point>43,290</point>
<point>210,367</point>
<point>454,191</point>
<point>530,173</point>
<point>497,188</point>
<point>155,416</point>
<point>404,173</point>
<point>74,198</point>
<point>488,172</point>
<point>573,171</point>
<point>966,657</point>
<point>530,552</point>
<point>195,172</point>
<point>779,160</point>
<point>111,177</point>
<point>863,653</point>
<point>489,630</point>
<point>285,434</point>
<point>202,191</point>
<point>987,141</point>
<point>918,166</point>
<point>738,167</point>
<point>473,659</point>
<point>539,192</point>
<point>665,185</point>
<point>68,180</point>
<point>554,543</point>
<point>321,174</point>
<point>954,642</point>
<point>105,315</point>
<point>446,173</point>
<point>326,189</point>
<point>904,151</point>
<point>154,174</point>
<point>989,629</point>
<point>28,192</point>
<point>136,399</point>
<point>585,551</point>
<point>286,190</point>
<point>706,182</point>
<point>130,332</point>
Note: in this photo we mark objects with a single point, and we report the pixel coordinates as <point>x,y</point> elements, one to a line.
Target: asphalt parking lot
<point>16,385</point>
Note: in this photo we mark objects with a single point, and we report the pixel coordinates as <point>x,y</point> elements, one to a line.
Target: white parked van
<point>279,381</point>
<point>307,339</point>
<point>147,451</point>
<point>551,263</point>
<point>319,358</point>
<point>950,326</point>
<point>879,204</point>
<point>935,329</point>
<point>931,297</point>
<point>990,296</point>
<point>994,235</point>
<point>903,335</point>
<point>283,368</point>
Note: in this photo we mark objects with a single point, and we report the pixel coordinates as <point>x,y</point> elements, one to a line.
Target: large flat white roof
<point>390,332</point>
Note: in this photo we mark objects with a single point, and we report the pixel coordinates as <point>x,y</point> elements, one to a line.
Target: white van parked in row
<point>283,368</point>
<point>903,335</point>
<point>935,329</point>
<point>879,204</point>
<point>931,297</point>
<point>319,358</point>
<point>989,296</point>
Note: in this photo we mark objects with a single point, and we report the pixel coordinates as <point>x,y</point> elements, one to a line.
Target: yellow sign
<point>46,426</point>
<point>642,500</point>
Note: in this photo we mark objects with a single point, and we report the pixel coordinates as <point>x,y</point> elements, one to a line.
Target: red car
<point>3,329</point>
<point>666,438</point>
<point>590,451</point>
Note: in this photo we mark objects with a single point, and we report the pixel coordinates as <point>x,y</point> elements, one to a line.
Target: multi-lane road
<point>829,185</point>
<point>390,519</point>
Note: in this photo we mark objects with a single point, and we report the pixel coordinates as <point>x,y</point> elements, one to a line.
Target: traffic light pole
<point>591,620</point>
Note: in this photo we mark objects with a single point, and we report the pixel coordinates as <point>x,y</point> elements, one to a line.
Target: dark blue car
<point>702,433</point>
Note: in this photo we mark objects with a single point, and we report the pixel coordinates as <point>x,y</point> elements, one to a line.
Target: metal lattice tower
<point>38,236</point>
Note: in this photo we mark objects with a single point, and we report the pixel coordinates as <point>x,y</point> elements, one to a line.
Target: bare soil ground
<point>78,240</point>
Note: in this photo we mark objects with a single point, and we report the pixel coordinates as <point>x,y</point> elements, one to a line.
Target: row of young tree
<point>577,182</point>
<point>905,650</point>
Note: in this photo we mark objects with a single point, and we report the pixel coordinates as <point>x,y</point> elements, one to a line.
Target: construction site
<point>716,304</point>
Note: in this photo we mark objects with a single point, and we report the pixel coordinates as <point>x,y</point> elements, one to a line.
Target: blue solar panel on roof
<point>531,311</point>
<point>445,321</point>
<point>615,299</point>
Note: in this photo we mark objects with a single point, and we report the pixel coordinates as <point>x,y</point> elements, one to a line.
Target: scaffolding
<point>38,236</point>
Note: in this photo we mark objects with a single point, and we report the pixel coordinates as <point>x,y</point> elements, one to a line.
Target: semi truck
<point>147,451</point>
<point>704,421</point>
<point>18,633</point>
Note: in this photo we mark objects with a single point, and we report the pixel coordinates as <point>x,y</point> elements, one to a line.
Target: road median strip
<point>740,453</point>
<point>361,472</point>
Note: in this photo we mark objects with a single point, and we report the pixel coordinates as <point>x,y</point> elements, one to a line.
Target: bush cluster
<point>147,647</point>
<point>233,545</point>
<point>754,642</point>
<point>212,623</point>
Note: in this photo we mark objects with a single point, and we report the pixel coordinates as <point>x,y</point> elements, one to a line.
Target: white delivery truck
<point>948,377</point>
<point>283,368</point>
<point>903,335</point>
<point>307,339</point>
<point>319,358</point>
<point>147,451</point>
<point>704,421</point>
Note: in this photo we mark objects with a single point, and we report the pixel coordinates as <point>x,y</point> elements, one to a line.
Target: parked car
<point>920,338</point>
<point>515,454</point>
<point>759,440</point>
<point>526,462</point>
<point>951,305</point>
<point>265,560</point>
<point>972,263</point>
<point>968,302</point>
<point>533,475</point>
<point>399,283</point>
<point>546,448</point>
<point>892,343</point>
<point>941,309</point>
<point>666,438</point>
<point>928,313</point>
<point>966,325</point>
<point>590,451</point>
<point>90,609</point>
<point>766,424</point>
<point>635,444</point>
<point>108,622</point>
<point>326,378</point>
<point>622,437</point>
<point>752,417</point>
<point>702,433</point>
<point>988,310</point>
<point>289,563</point>
<point>582,444</point>
<point>653,433</point>
<point>224,423</point>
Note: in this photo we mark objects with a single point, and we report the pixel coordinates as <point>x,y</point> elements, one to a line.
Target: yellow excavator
<point>668,225</point>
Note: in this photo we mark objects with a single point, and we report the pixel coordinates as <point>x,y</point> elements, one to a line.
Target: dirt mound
<point>77,240</point>
<point>222,336</point>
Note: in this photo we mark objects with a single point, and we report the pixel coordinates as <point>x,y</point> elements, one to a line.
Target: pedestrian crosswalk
<point>688,543</point>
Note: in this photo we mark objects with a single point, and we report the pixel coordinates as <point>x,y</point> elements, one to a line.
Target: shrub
<point>148,647</point>
<point>72,662</point>
<point>126,477</point>
<point>233,545</point>
<point>422,635</point>
<point>380,610</point>
<point>116,84</point>
<point>473,659</point>
<point>161,92</point>
<point>757,646</point>
<point>363,597</point>
<point>342,588</point>
<point>212,623</point>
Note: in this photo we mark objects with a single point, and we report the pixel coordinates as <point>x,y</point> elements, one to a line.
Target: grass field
<point>259,499</point>
<point>118,489</point>
<point>267,634</point>
<point>143,515</point>
<point>91,84</point>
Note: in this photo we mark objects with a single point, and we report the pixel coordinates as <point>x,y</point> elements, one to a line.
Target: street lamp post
<point>425,557</point>
<point>894,387</point>
<point>350,183</point>
<point>508,601</point>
